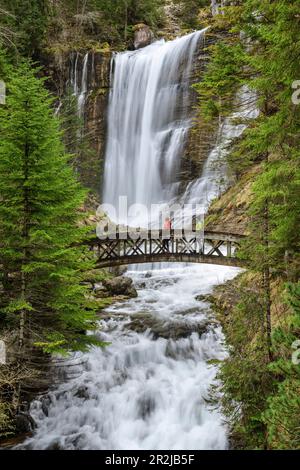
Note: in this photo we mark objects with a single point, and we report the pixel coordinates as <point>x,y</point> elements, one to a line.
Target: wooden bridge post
<point>229,249</point>
<point>119,244</point>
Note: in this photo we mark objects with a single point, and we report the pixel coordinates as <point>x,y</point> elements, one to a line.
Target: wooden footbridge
<point>123,248</point>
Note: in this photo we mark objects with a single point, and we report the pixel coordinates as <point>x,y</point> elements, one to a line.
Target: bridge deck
<point>149,246</point>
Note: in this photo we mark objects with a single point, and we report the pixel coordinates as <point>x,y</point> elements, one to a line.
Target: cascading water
<point>148,389</point>
<point>84,87</point>
<point>213,180</point>
<point>148,120</point>
<point>79,81</point>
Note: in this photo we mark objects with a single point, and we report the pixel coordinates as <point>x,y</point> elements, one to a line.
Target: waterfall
<point>213,180</point>
<point>148,120</point>
<point>74,72</point>
<point>84,86</point>
<point>79,81</point>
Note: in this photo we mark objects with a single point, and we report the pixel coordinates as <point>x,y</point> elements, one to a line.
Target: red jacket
<point>167,225</point>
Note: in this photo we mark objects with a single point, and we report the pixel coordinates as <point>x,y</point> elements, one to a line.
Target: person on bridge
<point>199,236</point>
<point>167,226</point>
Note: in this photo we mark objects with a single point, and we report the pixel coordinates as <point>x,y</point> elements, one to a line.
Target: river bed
<point>148,389</point>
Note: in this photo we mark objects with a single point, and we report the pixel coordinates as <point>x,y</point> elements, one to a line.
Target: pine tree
<point>42,262</point>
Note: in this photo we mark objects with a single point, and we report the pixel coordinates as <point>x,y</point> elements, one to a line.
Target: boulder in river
<point>202,298</point>
<point>121,285</point>
<point>24,423</point>
<point>46,402</point>
<point>99,291</point>
<point>166,329</point>
<point>82,392</point>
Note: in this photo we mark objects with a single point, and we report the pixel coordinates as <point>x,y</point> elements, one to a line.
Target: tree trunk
<point>214,7</point>
<point>25,234</point>
<point>23,313</point>
<point>126,20</point>
<point>266,281</point>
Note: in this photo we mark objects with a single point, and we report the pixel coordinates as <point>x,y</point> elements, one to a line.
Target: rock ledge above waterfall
<point>143,36</point>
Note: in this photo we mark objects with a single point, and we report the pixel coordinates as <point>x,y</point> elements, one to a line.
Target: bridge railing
<point>160,243</point>
<point>154,234</point>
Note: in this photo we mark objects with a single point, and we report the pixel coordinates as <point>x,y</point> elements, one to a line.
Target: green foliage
<point>246,380</point>
<point>42,263</point>
<point>71,123</point>
<point>130,11</point>
<point>28,19</point>
<point>261,399</point>
<point>105,20</point>
<point>6,425</point>
<point>261,51</point>
<point>221,80</point>
<point>6,32</point>
<point>189,11</point>
<point>11,376</point>
<point>282,414</point>
<point>28,26</point>
<point>78,141</point>
<point>4,66</point>
<point>279,186</point>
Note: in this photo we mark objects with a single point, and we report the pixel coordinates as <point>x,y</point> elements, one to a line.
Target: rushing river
<point>148,389</point>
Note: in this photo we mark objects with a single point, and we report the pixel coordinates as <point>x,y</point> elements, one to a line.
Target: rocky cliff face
<point>143,36</point>
<point>88,76</point>
<point>95,118</point>
<point>202,136</point>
